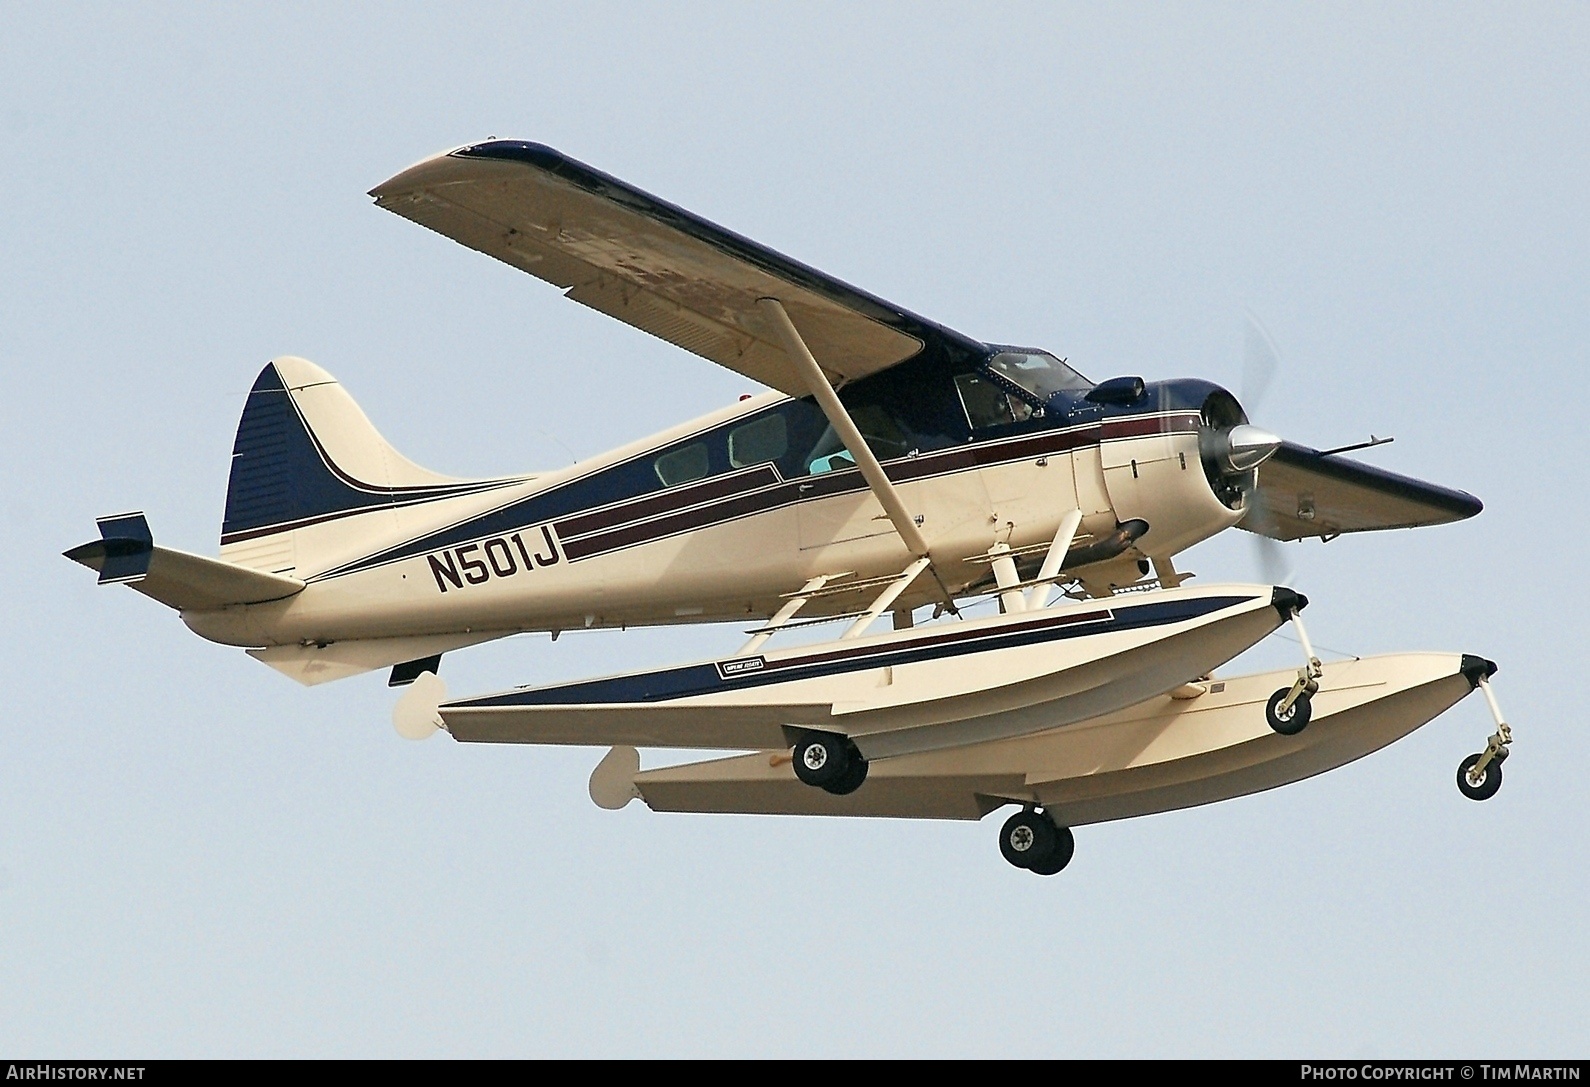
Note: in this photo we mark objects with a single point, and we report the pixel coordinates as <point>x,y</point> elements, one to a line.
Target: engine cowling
<point>1187,483</point>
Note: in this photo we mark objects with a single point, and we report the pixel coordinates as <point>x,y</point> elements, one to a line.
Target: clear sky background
<point>198,857</point>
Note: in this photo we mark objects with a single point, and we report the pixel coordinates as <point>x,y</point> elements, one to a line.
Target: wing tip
<point>536,154</point>
<point>523,151</point>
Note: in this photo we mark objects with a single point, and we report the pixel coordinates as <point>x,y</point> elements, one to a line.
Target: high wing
<point>654,265</point>
<point>1303,492</point>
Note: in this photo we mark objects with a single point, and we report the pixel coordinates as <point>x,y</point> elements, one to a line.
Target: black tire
<point>821,758</point>
<point>851,779</point>
<point>1065,847</point>
<point>1487,785</point>
<point>1027,838</point>
<point>1296,719</point>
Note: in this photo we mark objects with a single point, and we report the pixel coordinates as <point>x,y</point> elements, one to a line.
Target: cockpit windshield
<point>1039,373</point>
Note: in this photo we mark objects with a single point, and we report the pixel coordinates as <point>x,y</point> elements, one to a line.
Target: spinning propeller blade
<point>1261,361</point>
<point>1274,561</point>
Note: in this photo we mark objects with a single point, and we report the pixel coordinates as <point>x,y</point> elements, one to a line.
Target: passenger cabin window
<point>988,404</point>
<point>758,442</point>
<point>683,465</point>
<point>883,434</point>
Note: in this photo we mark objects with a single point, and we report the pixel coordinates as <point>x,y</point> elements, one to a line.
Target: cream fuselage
<point>724,548</point>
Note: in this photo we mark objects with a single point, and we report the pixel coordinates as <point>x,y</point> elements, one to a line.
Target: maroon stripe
<point>684,521</point>
<point>848,481</point>
<point>666,502</point>
<point>1137,427</point>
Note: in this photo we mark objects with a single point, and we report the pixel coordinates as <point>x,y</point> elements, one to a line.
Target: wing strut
<point>801,357</point>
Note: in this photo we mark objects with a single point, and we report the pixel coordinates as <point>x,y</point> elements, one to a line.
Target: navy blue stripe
<point>699,679</point>
<point>570,505</point>
<point>628,479</point>
<point>810,488</point>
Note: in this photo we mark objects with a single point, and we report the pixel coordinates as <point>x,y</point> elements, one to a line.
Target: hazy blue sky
<point>198,856</point>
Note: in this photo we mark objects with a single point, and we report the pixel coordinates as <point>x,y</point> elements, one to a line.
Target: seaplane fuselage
<point>716,519</point>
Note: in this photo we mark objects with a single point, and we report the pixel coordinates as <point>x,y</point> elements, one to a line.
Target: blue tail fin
<point>306,454</point>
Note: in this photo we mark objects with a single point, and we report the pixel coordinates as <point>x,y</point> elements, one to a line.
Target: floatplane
<point>896,467</point>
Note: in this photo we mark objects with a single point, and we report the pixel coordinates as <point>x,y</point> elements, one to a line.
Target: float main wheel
<point>851,779</point>
<point>1065,847</point>
<point>1027,838</point>
<point>822,758</point>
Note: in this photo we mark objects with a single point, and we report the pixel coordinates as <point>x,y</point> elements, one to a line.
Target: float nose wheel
<point>830,762</point>
<point>1480,776</point>
<point>1478,783</point>
<point>1289,709</point>
<point>1030,839</point>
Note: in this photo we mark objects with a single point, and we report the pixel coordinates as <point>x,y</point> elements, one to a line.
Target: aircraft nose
<point>1248,446</point>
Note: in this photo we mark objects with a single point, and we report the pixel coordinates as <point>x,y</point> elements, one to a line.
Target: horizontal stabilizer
<point>125,554</point>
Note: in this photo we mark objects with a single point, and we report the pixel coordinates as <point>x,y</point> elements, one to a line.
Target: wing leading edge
<point>654,265</point>
<point>1303,492</point>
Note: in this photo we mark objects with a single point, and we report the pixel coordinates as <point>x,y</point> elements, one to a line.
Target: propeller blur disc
<point>1273,560</point>
<point>1261,360</point>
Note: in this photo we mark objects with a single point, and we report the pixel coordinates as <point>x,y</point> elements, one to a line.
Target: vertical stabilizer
<point>307,458</point>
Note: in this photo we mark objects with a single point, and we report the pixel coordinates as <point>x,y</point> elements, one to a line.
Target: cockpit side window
<point>684,465</point>
<point>989,404</point>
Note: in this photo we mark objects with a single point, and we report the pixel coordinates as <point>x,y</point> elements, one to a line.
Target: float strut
<point>1308,675</point>
<point>1497,747</point>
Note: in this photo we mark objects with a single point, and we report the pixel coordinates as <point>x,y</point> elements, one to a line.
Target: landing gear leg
<point>1289,709</point>
<point>1480,776</point>
<point>1031,840</point>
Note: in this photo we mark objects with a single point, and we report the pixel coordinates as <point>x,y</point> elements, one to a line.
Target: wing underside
<point>1303,492</point>
<point>652,264</point>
